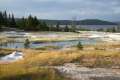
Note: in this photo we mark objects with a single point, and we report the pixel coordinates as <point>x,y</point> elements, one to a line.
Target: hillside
<point>81,22</point>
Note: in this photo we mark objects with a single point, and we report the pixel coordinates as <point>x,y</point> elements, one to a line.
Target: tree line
<point>112,29</point>
<point>31,23</point>
<point>7,19</point>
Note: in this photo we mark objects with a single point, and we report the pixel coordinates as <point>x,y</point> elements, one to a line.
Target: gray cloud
<point>64,9</point>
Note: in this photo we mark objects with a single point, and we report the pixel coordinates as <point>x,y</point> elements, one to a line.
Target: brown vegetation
<point>91,56</point>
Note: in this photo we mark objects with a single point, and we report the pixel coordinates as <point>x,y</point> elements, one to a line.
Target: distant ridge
<point>80,22</point>
<point>117,22</point>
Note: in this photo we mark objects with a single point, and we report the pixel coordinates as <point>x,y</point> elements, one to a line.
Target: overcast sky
<point>64,9</point>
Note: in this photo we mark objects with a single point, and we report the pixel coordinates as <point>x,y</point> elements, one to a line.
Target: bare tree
<point>73,25</point>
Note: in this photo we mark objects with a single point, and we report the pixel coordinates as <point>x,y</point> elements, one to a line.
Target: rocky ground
<point>77,72</point>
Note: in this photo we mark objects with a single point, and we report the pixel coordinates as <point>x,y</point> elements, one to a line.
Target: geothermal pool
<point>60,44</point>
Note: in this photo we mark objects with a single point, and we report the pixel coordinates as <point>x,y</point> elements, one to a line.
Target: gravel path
<point>82,73</point>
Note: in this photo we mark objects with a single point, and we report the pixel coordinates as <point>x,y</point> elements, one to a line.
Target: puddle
<point>16,55</point>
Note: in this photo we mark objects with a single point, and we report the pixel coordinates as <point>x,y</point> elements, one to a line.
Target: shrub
<point>80,46</point>
<point>27,43</point>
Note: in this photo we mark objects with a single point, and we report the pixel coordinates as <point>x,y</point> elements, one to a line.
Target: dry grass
<point>95,56</point>
<point>21,72</point>
<point>30,68</point>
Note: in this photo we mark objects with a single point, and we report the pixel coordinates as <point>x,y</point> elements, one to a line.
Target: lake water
<point>95,27</point>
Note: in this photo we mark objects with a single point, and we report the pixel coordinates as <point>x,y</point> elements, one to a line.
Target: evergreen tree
<point>9,20</point>
<point>50,27</point>
<point>5,20</point>
<point>27,43</point>
<point>43,26</point>
<point>66,28</point>
<point>36,21</point>
<point>1,18</point>
<point>13,23</point>
<point>100,29</point>
<point>22,23</point>
<point>58,26</point>
<point>118,29</point>
<point>73,24</point>
<point>80,46</point>
<point>29,23</point>
<point>111,29</point>
<point>114,29</point>
<point>32,23</point>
